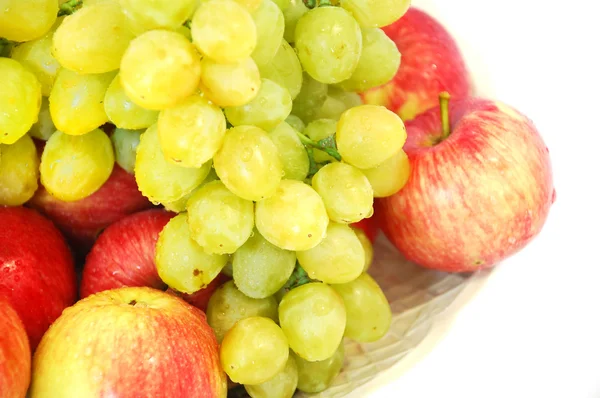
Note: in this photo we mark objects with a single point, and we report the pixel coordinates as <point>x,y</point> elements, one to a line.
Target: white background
<point>533,329</point>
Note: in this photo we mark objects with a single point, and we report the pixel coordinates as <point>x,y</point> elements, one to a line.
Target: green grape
<point>313,319</point>
<point>338,101</point>
<point>294,218</point>
<point>260,269</point>
<point>367,246</point>
<point>224,31</point>
<point>346,192</point>
<point>254,350</point>
<point>192,131</point>
<point>270,107</point>
<point>329,44</point>
<point>227,305</point>
<point>295,122</point>
<point>93,39</point>
<point>310,99</point>
<point>74,167</point>
<point>317,376</point>
<point>376,13</point>
<point>379,61</point>
<point>368,135</point>
<point>180,262</point>
<point>77,101</point>
<point>26,20</point>
<point>170,70</point>
<point>269,23</point>
<point>292,153</point>
<point>250,5</point>
<point>339,258</point>
<point>220,221</point>
<point>19,170</point>
<point>44,127</point>
<point>282,385</point>
<point>248,163</point>
<point>123,112</point>
<point>284,69</point>
<point>282,4</point>
<point>142,16</point>
<point>233,84</point>
<point>390,176</point>
<point>368,310</point>
<point>20,100</point>
<point>125,143</point>
<point>158,179</point>
<point>180,205</point>
<point>292,14</point>
<point>318,130</point>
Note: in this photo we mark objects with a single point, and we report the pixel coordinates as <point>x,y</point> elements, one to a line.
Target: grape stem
<point>326,145</point>
<point>320,3</point>
<point>298,278</point>
<point>445,114</point>
<point>5,47</point>
<point>69,7</point>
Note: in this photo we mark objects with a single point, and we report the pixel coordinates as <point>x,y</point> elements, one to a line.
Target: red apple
<point>474,198</point>
<point>369,226</point>
<point>200,298</point>
<point>431,63</point>
<point>129,342</point>
<point>36,269</point>
<point>15,355</point>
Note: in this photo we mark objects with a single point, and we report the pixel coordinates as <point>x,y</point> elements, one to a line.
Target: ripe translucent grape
<point>170,70</point>
<point>74,167</point>
<point>284,69</point>
<point>338,101</point>
<point>269,23</point>
<point>318,130</point>
<point>101,39</point>
<point>313,318</point>
<point>232,84</point>
<point>20,100</point>
<point>376,13</point>
<point>292,14</point>
<point>270,107</point>
<point>224,31</point>
<point>294,218</point>
<point>390,176</point>
<point>291,152</point>
<point>44,127</point>
<point>282,4</point>
<point>227,305</point>
<point>339,258</point>
<point>369,312</point>
<point>367,246</point>
<point>142,16</point>
<point>26,20</point>
<point>158,179</point>
<point>310,99</point>
<point>123,112</point>
<point>248,163</point>
<point>296,123</point>
<point>19,170</point>
<point>282,385</point>
<point>125,143</point>
<point>329,43</point>
<point>254,350</point>
<point>77,101</point>
<point>368,135</point>
<point>250,5</point>
<point>220,221</point>
<point>192,131</point>
<point>317,376</point>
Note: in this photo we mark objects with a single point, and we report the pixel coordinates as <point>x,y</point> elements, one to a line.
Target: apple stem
<point>445,114</point>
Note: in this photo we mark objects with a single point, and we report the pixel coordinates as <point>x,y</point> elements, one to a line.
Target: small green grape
<point>123,112</point>
<point>19,171</point>
<point>282,385</point>
<point>125,143</point>
<point>269,23</point>
<point>317,376</point>
<point>292,153</point>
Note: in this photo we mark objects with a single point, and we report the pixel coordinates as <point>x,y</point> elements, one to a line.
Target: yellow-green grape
<point>142,16</point>
<point>180,205</point>
<point>338,101</point>
<point>282,385</point>
<point>368,310</point>
<point>368,135</point>
<point>180,262</point>
<point>232,84</point>
<point>227,305</point>
<point>295,122</point>
<point>254,350</point>
<point>346,192</point>
<point>125,143</point>
<point>313,318</point>
<point>250,5</point>
<point>77,101</point>
<point>376,13</point>
<point>269,108</point>
<point>292,153</point>
<point>310,99</point>
<point>318,130</point>
<point>19,169</point>
<point>44,127</point>
<point>224,31</point>
<point>20,100</point>
<point>379,61</point>
<point>170,70</point>
<point>390,176</point>
<point>93,39</point>
<point>220,221</point>
<point>260,268</point>
<point>158,179</point>
<point>329,44</point>
<point>282,4</point>
<point>269,23</point>
<point>315,377</point>
<point>339,258</point>
<point>292,14</point>
<point>367,246</point>
<point>294,218</point>
<point>74,167</point>
<point>123,112</point>
<point>248,163</point>
<point>26,20</point>
<point>284,69</point>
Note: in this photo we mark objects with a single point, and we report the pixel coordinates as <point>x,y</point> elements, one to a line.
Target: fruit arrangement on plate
<point>190,190</point>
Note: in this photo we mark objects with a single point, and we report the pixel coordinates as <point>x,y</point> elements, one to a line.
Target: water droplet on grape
<point>247,154</point>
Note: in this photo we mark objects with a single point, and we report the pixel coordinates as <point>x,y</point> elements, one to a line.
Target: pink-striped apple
<point>129,342</point>
<point>15,355</point>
